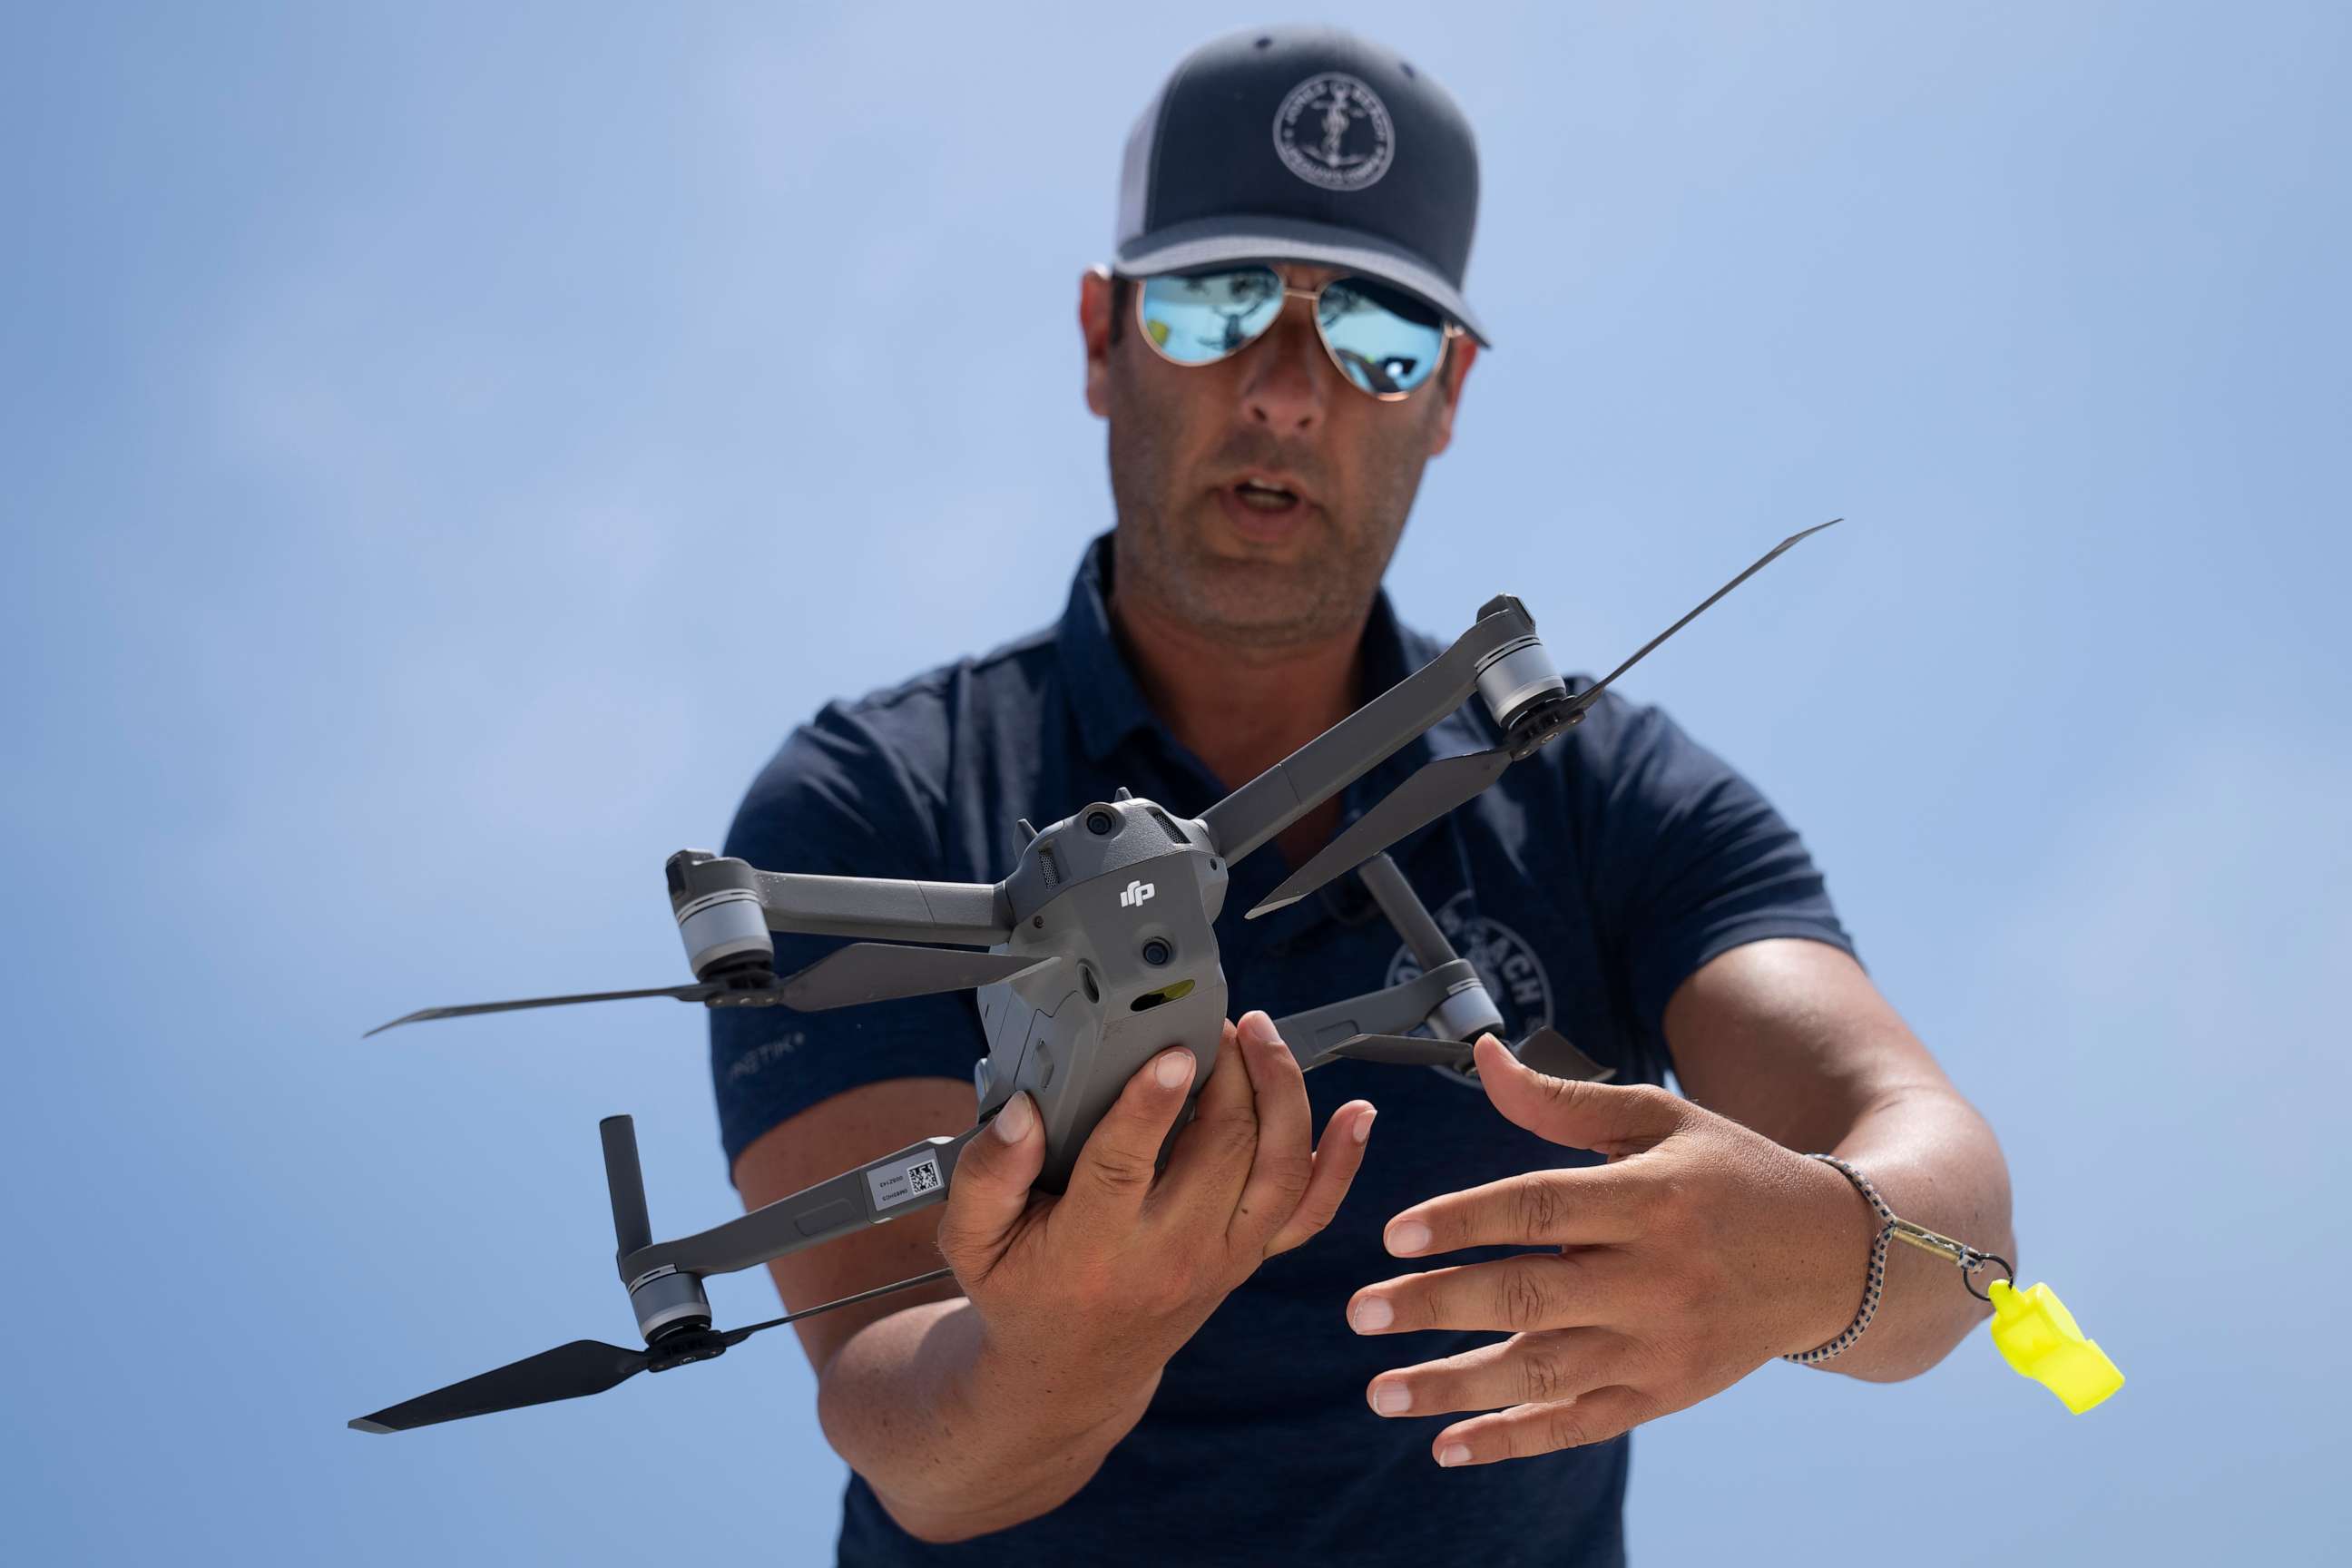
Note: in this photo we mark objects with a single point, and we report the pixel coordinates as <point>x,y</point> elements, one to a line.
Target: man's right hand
<point>1106,1281</point>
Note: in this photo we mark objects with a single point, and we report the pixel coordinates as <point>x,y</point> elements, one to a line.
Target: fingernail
<point>1453,1454</point>
<point>1173,1068</point>
<point>1012,1121</point>
<point>1408,1235</point>
<point>1364,1126</point>
<point>1258,1029</point>
<point>1371,1315</point>
<point>1392,1398</point>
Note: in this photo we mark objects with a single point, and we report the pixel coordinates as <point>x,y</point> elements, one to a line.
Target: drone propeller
<point>586,1367</point>
<point>1440,786</point>
<point>1395,1050</point>
<point>567,1372</point>
<point>861,971</point>
<point>1549,1051</point>
<point>1546,1050</point>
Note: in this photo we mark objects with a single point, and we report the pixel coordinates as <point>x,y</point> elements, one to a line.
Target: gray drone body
<point>1123,896</point>
<point>1099,953</point>
<point>1117,902</point>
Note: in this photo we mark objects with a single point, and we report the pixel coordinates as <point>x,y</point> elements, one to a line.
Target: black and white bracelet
<point>1968,1257</point>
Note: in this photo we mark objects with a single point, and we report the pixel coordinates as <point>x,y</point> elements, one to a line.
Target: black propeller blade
<point>1449,781</point>
<point>586,1367</point>
<point>567,1372</point>
<point>1395,1050</point>
<point>1586,698</point>
<point>683,993</point>
<point>883,972</point>
<point>1549,1051</point>
<point>1438,788</point>
<point>1546,1050</point>
<point>862,972</point>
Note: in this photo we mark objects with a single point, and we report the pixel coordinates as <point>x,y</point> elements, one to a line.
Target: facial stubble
<point>1164,552</point>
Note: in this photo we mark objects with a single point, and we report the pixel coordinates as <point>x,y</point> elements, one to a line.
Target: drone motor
<point>1518,677</point>
<point>720,926</point>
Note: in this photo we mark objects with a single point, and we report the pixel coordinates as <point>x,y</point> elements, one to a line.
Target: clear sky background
<point>444,449</point>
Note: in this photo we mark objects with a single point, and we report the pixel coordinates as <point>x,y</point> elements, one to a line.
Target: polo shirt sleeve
<point>835,801</point>
<point>1691,860</point>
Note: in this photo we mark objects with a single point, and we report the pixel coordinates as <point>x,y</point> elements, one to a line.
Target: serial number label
<point>905,1180</point>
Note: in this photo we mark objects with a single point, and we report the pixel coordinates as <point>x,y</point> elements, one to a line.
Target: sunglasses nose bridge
<point>1290,383</point>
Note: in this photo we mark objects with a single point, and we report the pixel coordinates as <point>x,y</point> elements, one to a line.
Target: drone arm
<point>1489,654</point>
<point>726,908</point>
<point>1467,1012</point>
<point>977,914</point>
<point>1313,1036</point>
<point>1406,911</point>
<point>874,1194</point>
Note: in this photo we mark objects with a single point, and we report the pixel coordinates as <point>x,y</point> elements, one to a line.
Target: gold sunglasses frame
<point>1449,331</point>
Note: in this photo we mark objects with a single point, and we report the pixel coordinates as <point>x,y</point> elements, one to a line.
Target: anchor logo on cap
<point>1334,132</point>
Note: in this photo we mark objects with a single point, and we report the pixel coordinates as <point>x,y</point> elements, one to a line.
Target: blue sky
<point>443,450</point>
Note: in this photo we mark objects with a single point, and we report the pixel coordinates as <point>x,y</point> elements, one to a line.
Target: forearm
<point>1935,1162</point>
<point>955,1440</point>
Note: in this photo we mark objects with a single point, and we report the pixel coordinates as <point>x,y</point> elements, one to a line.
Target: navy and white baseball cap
<point>1303,144</point>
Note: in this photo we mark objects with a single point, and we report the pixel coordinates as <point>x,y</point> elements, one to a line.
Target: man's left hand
<point>1700,1251</point>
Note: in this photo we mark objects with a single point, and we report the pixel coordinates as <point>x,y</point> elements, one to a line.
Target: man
<point>1200,1364</point>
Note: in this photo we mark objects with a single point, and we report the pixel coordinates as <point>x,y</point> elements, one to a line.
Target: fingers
<point>1528,1429</point>
<point>1526,1368</point>
<point>1616,1119</point>
<point>1284,1163</point>
<point>1513,1295</point>
<point>1337,1160</point>
<point>991,1190</point>
<point>1211,1159</point>
<point>1574,1206</point>
<point>1115,1169</point>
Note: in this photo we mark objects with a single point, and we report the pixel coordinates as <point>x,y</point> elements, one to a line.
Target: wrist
<point>1836,1236</point>
<point>1006,1439</point>
<point>1056,1394</point>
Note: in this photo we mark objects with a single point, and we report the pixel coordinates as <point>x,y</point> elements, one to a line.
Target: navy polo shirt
<point>1585,886</point>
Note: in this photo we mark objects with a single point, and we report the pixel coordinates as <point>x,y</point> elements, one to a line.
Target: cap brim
<point>1206,242</point>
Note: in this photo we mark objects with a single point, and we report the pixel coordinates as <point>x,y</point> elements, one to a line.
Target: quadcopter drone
<point>1099,953</point>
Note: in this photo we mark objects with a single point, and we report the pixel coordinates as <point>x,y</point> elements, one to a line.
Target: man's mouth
<point>1266,497</point>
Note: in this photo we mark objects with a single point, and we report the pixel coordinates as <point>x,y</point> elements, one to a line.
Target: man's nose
<point>1289,373</point>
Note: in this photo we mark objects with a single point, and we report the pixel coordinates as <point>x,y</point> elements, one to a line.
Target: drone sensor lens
<point>1100,823</point>
<point>1156,953</point>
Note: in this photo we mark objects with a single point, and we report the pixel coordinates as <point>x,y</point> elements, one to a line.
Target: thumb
<point>1610,1119</point>
<point>991,1189</point>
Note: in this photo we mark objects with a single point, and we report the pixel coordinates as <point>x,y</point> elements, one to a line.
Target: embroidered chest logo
<point>1334,132</point>
<point>1507,966</point>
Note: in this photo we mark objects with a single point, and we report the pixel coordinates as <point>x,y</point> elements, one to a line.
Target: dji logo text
<point>1134,895</point>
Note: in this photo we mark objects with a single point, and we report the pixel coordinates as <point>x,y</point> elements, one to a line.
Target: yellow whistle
<point>2037,1336</point>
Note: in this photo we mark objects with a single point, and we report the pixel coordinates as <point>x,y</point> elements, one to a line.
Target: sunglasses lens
<point>1387,340</point>
<point>1204,316</point>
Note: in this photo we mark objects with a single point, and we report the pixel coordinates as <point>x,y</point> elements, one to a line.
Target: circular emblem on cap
<point>1334,132</point>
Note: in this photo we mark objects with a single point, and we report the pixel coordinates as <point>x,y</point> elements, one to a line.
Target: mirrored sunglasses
<point>1383,340</point>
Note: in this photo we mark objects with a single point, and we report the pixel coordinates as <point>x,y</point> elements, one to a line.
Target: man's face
<point>1196,449</point>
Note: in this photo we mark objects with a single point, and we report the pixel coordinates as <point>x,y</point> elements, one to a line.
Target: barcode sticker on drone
<point>905,1179</point>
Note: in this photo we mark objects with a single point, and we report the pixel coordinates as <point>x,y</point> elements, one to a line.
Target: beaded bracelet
<point>1968,1257</point>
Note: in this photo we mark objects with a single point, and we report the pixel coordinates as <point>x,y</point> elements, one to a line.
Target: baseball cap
<point>1307,144</point>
